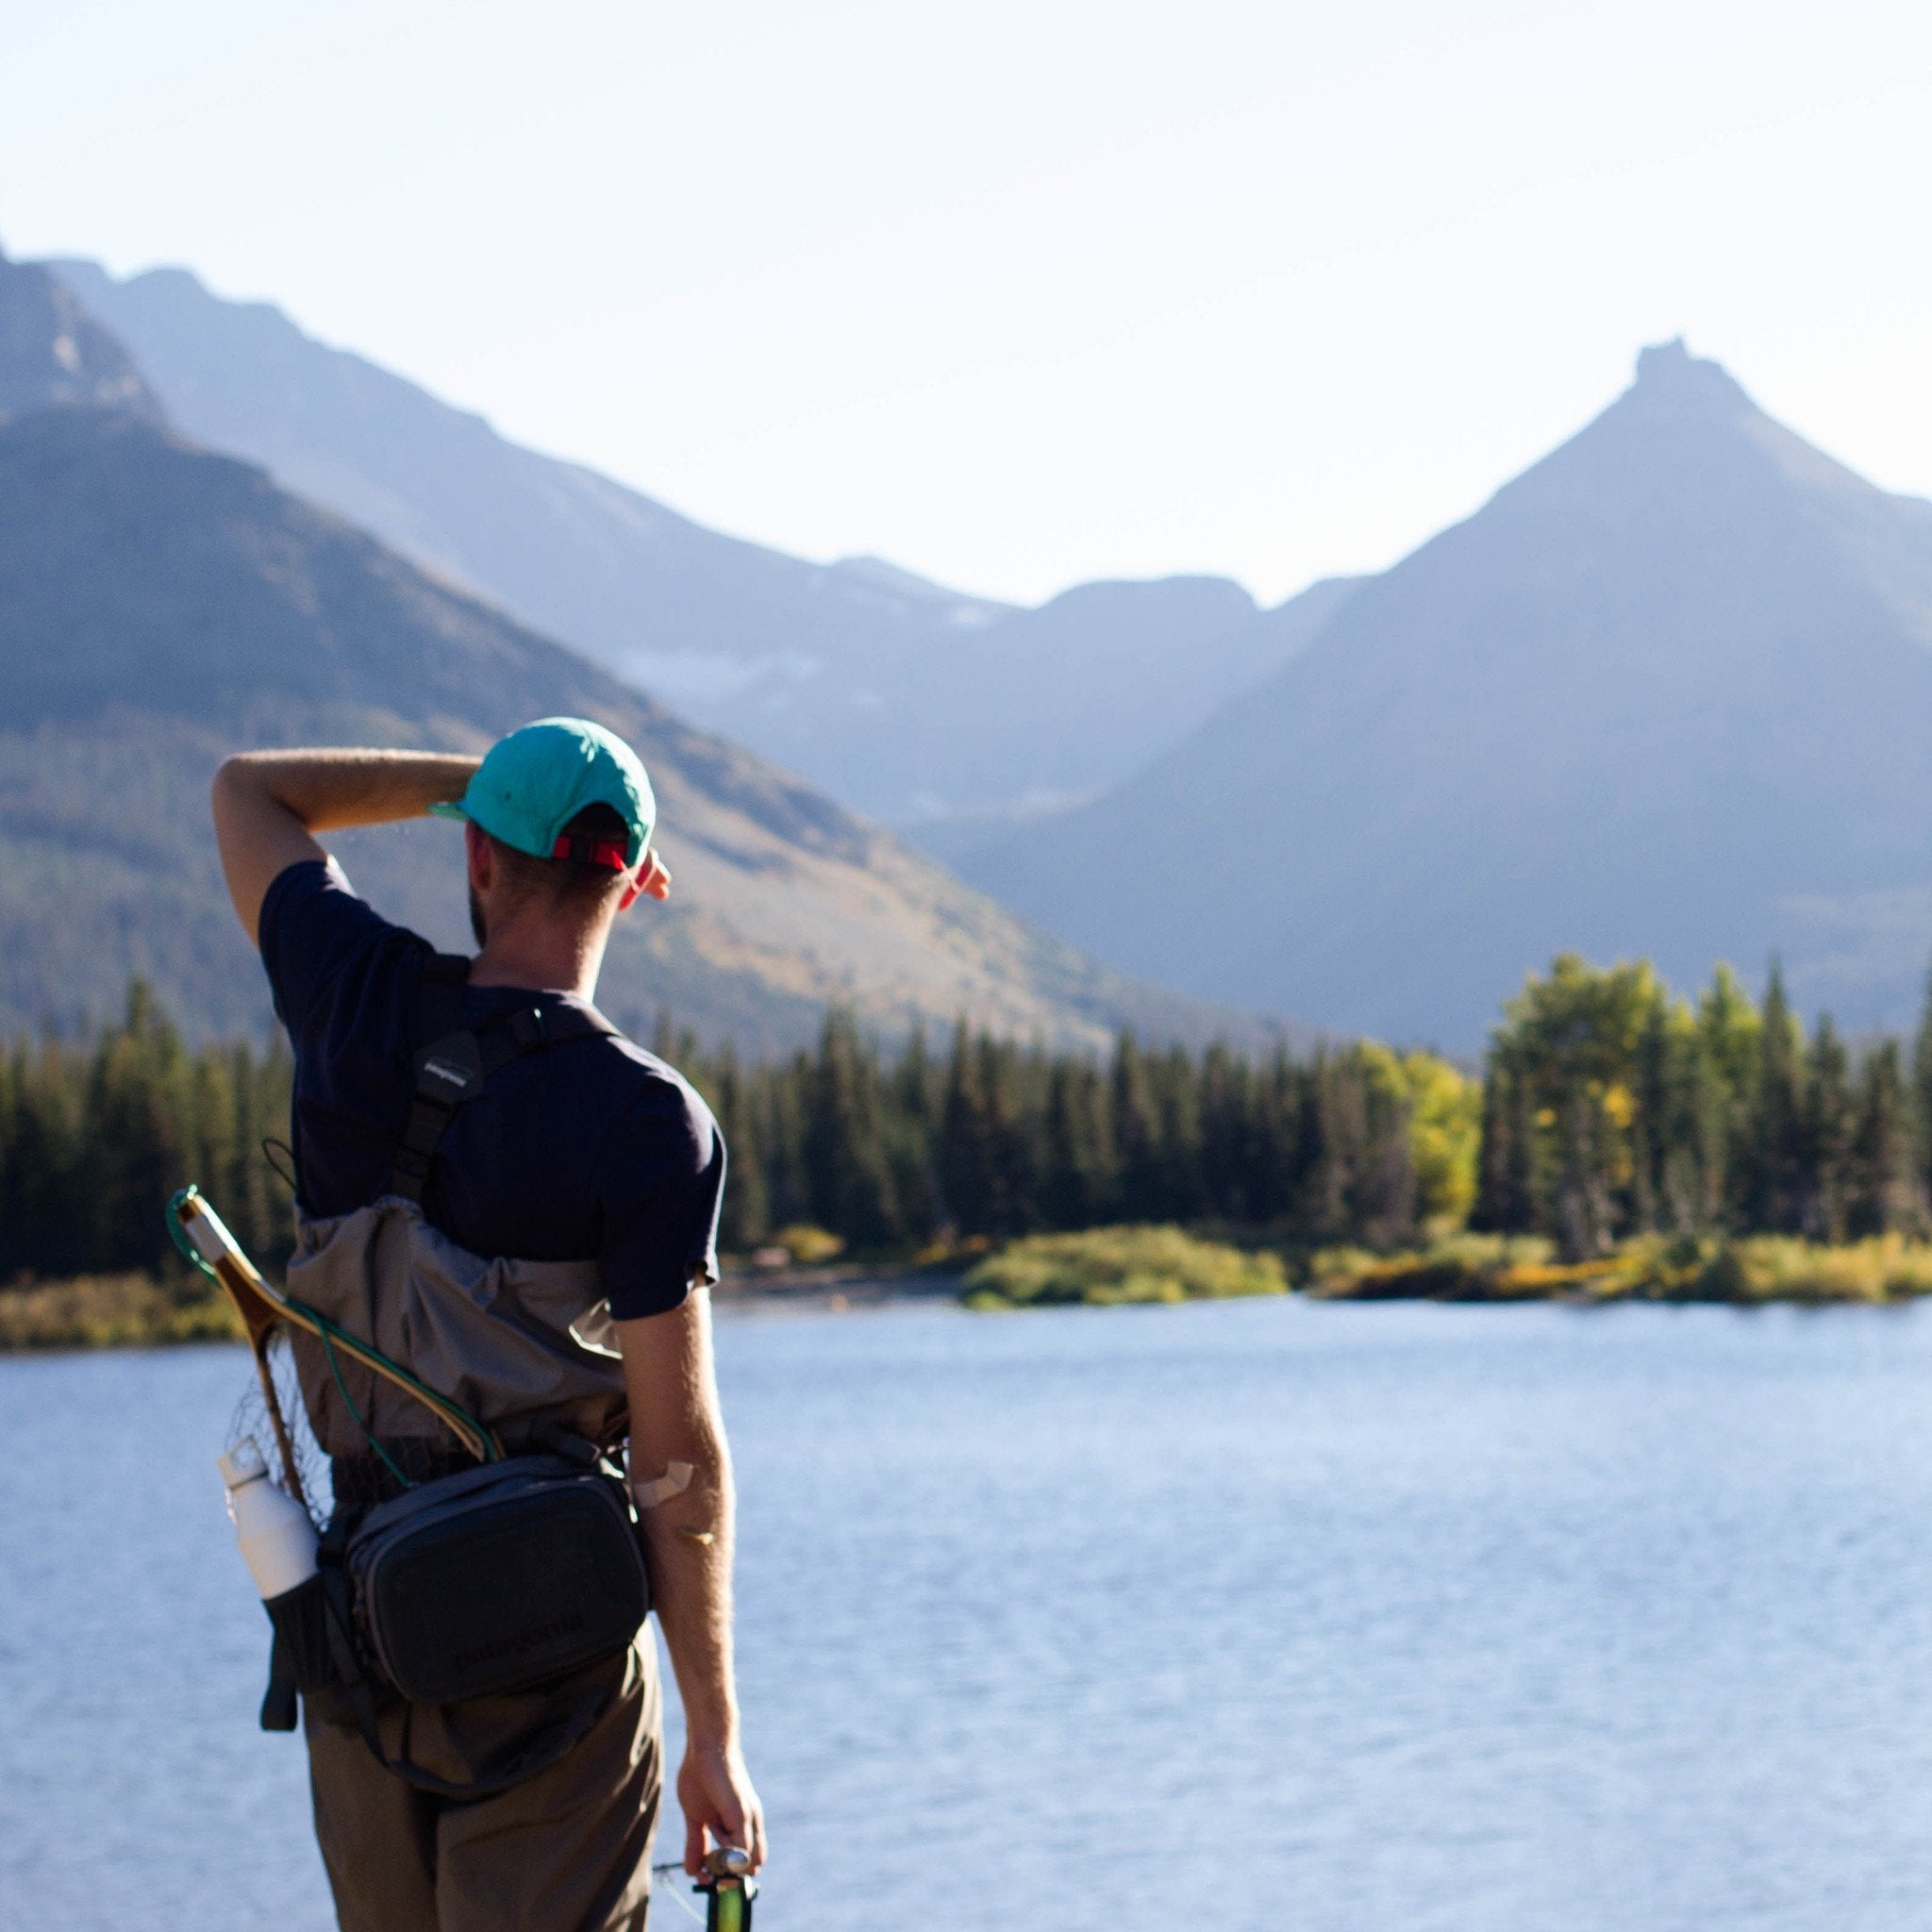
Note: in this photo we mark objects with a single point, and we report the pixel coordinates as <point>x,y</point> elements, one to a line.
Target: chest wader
<point>482,1569</point>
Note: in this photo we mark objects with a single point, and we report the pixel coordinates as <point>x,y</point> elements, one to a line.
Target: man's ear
<point>482,861</point>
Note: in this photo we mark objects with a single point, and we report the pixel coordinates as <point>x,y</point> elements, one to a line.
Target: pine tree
<point>745,1219</point>
<point>1653,1099</point>
<point>846,1169</point>
<point>1506,1174</point>
<point>1888,1197</point>
<point>135,1135</point>
<point>1182,1193</point>
<point>1921,1091</point>
<point>1135,1132</point>
<point>1830,1131</point>
<point>1337,1136</point>
<point>782,1091</point>
<point>1712,1116</point>
<point>1382,1199</point>
<point>1771,1190</point>
<point>964,1159</point>
<point>1278,1153</point>
<point>1227,1133</point>
<point>1077,1179</point>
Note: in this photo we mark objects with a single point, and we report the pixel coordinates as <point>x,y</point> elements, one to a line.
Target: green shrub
<point>807,1245</point>
<point>1777,1268</point>
<point>1464,1267</point>
<point>1107,1266</point>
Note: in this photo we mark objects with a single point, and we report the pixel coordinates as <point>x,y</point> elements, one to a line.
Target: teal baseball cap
<point>531,784</point>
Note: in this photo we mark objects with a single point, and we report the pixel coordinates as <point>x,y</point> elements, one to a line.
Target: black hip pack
<point>508,1578</point>
<point>489,1582</point>
<point>500,1579</point>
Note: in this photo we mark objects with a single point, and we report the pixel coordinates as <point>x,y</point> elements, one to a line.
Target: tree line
<point>988,1138</point>
<point>1606,1107</point>
<point>1614,1108</point>
<point>96,1133</point>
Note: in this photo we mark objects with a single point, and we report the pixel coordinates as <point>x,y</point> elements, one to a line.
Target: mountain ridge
<point>920,705</point>
<point>1665,692</point>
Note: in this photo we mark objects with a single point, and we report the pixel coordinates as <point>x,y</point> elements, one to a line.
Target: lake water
<point>1342,1619</point>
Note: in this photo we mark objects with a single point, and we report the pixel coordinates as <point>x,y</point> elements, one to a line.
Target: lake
<point>1340,1618</point>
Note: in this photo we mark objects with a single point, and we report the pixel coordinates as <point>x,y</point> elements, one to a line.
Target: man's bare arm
<point>674,1419</point>
<point>268,804</point>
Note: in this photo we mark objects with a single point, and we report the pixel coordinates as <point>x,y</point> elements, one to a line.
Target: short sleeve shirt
<point>592,1150</point>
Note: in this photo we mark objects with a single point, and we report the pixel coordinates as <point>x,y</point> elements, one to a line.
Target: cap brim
<point>447,808</point>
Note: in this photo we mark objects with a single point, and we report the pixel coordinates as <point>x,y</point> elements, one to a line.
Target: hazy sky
<point>1020,294</point>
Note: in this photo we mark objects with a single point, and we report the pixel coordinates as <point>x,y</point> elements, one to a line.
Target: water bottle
<point>278,1538</point>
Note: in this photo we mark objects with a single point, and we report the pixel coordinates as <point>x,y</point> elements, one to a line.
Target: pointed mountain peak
<point>53,352</point>
<point>1670,377</point>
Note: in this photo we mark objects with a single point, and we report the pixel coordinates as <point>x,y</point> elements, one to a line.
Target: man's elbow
<point>233,782</point>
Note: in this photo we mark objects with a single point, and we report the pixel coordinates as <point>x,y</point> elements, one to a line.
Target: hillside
<point>1667,692</point>
<point>926,708</point>
<point>160,606</point>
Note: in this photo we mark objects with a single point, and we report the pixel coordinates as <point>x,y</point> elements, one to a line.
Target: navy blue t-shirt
<point>593,1150</point>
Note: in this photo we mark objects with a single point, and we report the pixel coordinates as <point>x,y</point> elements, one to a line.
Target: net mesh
<point>253,1422</point>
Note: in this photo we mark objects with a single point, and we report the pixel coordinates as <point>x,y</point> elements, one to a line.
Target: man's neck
<point>541,958</point>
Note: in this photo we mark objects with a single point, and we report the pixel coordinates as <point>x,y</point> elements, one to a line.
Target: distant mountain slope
<point>1668,692</point>
<point>161,605</point>
<point>907,701</point>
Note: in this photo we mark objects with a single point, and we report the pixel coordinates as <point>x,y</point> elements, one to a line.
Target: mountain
<point>52,351</point>
<point>160,605</point>
<point>915,704</point>
<point>1038,755</point>
<point>1668,692</point>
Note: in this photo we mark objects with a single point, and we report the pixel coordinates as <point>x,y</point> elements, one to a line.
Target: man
<point>588,1169</point>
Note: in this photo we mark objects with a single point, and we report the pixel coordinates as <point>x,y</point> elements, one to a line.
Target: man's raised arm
<point>268,804</point>
<point>675,1427</point>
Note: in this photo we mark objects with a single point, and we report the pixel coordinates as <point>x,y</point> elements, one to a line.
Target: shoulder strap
<point>452,1062</point>
<point>446,1074</point>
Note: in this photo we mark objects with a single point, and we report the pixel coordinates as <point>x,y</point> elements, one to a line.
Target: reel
<point>728,1890</point>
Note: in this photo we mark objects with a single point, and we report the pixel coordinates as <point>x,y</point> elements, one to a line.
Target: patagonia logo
<point>522,1639</point>
<point>452,1063</point>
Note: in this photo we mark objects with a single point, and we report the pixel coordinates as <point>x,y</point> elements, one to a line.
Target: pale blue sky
<point>1022,294</point>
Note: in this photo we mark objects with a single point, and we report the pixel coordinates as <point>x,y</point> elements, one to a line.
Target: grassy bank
<point>113,1311</point>
<point>1746,1269</point>
<point>1107,1266</point>
<point>1113,1265</point>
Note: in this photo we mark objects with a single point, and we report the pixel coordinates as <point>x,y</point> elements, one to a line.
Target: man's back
<point>590,1151</point>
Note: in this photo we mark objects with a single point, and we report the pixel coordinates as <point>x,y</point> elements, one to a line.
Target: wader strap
<point>279,1701</point>
<point>544,1748</point>
<point>454,1063</point>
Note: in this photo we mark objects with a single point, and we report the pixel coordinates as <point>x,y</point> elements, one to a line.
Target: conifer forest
<point>1606,1106</point>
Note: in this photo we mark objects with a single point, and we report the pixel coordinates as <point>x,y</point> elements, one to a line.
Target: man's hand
<point>719,1804</point>
<point>654,877</point>
<point>268,804</point>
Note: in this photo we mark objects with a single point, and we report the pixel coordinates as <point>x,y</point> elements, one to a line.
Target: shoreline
<point>834,1286</point>
<point>126,1311</point>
